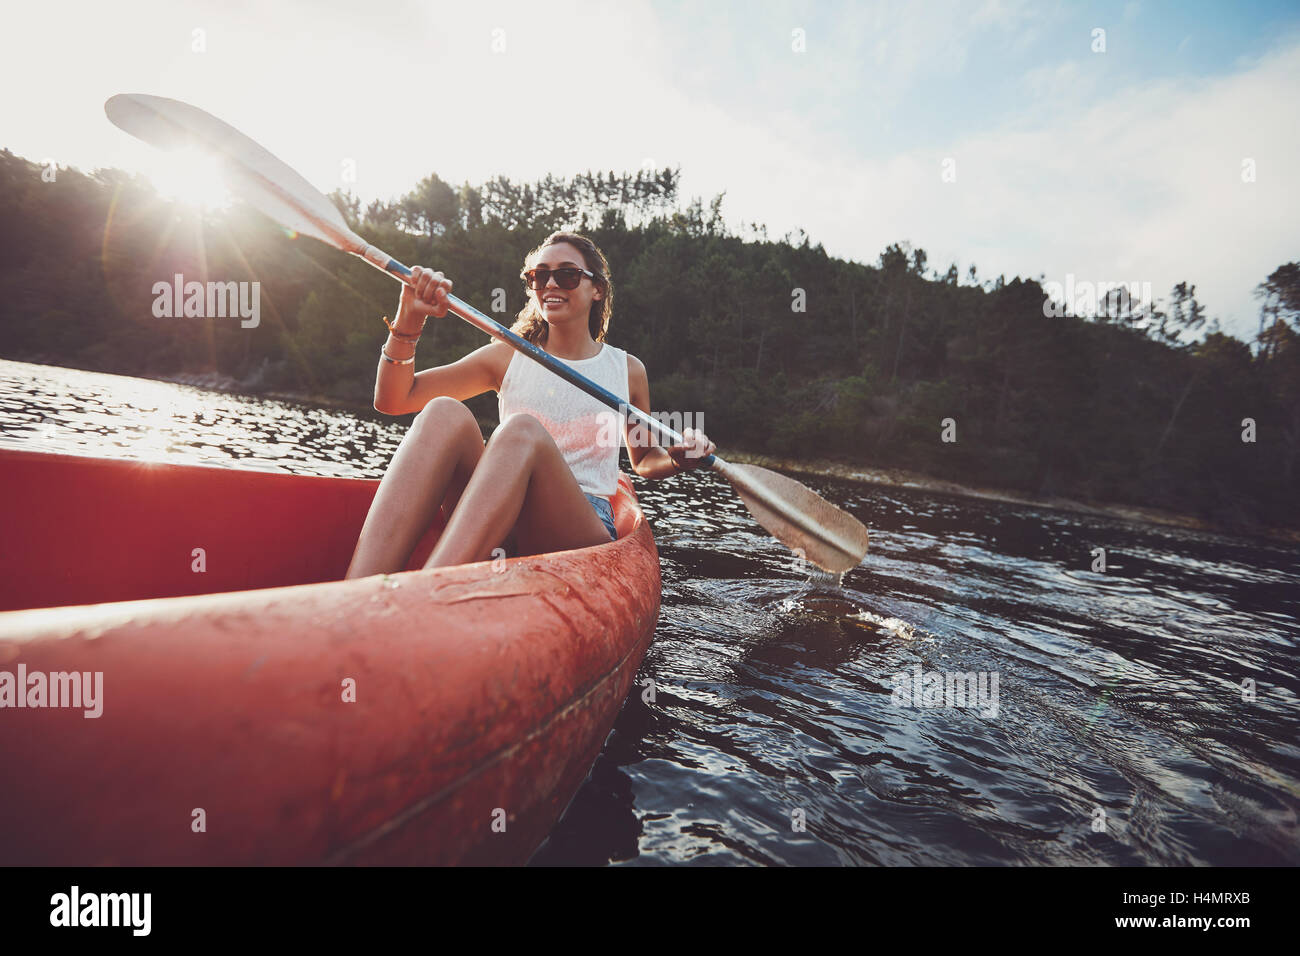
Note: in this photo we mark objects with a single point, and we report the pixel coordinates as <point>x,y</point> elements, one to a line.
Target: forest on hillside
<point>783,349</point>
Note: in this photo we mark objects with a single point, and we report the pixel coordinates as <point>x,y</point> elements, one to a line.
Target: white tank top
<point>587,432</point>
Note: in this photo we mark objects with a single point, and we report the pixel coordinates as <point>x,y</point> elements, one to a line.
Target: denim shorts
<point>605,511</point>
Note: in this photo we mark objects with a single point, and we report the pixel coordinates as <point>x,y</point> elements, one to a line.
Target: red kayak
<point>255,708</point>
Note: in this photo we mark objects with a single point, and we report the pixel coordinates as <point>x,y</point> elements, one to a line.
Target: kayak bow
<point>258,709</point>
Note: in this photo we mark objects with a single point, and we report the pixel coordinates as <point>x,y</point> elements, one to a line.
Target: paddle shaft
<point>386,263</point>
<point>352,243</point>
<point>381,260</point>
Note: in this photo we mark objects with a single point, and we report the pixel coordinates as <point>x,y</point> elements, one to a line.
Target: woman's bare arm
<point>650,460</point>
<point>398,389</point>
<point>478,372</point>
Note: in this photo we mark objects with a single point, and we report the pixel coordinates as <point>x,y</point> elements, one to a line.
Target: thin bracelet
<point>403,336</point>
<point>384,354</point>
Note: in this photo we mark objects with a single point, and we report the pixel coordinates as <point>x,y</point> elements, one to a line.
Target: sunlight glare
<point>192,178</point>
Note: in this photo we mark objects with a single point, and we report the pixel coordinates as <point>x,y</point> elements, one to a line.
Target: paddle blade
<point>799,518</point>
<point>249,170</point>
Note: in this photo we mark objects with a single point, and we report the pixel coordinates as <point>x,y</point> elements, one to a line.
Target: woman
<point>544,480</point>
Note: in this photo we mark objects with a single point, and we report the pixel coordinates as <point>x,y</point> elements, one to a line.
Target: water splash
<point>893,626</point>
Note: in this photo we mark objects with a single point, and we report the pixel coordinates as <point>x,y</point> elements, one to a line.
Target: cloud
<point>1142,185</point>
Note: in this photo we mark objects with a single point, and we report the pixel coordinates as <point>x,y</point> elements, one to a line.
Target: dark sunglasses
<point>566,278</point>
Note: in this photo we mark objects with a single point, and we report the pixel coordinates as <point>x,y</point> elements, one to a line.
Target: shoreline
<point>821,467</point>
<point>899,478</point>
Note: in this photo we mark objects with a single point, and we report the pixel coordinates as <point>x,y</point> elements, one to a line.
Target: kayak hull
<point>444,716</point>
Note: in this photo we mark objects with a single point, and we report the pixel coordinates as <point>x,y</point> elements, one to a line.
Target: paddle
<point>802,520</point>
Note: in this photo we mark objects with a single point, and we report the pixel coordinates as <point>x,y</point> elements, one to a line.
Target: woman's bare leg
<point>522,483</point>
<point>435,460</point>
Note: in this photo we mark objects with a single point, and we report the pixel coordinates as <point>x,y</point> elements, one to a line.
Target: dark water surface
<point>1123,730</point>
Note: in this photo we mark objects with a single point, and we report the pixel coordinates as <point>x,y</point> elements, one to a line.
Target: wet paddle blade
<point>799,518</point>
<point>250,171</point>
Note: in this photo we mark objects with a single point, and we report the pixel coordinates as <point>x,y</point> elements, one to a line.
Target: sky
<point>1005,134</point>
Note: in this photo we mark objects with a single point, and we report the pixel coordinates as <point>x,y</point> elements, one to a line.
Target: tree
<point>430,208</point>
<point>1280,293</point>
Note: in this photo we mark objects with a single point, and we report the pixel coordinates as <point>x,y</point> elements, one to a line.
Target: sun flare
<point>191,178</point>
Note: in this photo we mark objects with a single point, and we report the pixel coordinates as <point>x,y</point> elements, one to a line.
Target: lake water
<point>1144,715</point>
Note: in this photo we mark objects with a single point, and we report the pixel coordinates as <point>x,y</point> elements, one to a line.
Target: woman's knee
<point>445,416</point>
<point>519,428</point>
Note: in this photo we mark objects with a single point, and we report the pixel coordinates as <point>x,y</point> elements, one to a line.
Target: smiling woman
<point>546,479</point>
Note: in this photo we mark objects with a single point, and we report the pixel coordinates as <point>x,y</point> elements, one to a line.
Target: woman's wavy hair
<point>531,324</point>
